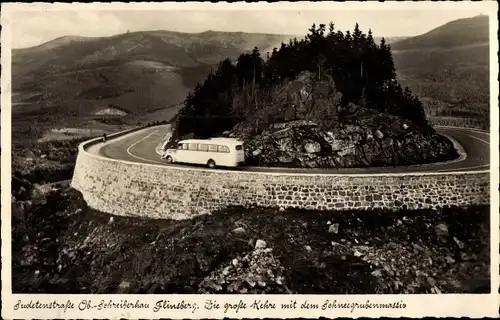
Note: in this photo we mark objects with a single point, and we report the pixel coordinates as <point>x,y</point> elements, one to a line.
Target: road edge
<point>462,155</point>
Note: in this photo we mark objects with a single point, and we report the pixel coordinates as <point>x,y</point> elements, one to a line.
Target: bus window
<point>180,146</point>
<point>193,147</point>
<point>223,149</point>
<point>202,147</point>
<point>239,147</point>
<point>212,148</point>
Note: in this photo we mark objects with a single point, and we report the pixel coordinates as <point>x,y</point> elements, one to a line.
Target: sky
<point>31,28</point>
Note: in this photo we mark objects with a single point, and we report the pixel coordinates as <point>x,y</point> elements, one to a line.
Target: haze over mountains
<point>143,73</point>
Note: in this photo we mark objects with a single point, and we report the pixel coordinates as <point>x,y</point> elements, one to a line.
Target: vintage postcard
<point>249,160</point>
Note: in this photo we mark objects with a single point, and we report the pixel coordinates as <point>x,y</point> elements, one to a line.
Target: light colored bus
<point>226,152</point>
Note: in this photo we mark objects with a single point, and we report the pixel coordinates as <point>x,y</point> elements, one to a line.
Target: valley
<point>78,76</point>
<point>448,68</point>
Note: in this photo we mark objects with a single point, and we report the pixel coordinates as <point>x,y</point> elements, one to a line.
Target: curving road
<point>140,147</point>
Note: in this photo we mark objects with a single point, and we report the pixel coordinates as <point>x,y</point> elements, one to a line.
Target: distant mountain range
<point>140,72</point>
<point>448,67</point>
<point>389,40</point>
<point>143,72</point>
<point>453,34</point>
<point>173,48</point>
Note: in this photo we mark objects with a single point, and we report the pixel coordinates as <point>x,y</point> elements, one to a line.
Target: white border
<point>417,305</point>
<point>489,6</point>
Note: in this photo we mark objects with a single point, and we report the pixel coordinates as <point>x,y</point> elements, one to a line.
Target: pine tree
<point>370,38</point>
<point>357,34</point>
<point>362,71</point>
<point>331,28</point>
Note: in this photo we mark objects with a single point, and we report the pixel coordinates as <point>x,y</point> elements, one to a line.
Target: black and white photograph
<point>260,151</point>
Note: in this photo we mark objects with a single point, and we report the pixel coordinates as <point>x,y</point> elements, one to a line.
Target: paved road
<point>140,147</point>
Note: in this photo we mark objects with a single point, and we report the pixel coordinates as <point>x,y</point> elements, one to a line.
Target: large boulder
<point>312,147</point>
<point>306,96</point>
<point>303,100</point>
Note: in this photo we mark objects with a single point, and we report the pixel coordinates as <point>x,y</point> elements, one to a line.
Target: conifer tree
<point>362,71</point>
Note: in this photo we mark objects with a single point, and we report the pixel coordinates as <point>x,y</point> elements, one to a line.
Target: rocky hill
<point>375,140</point>
<point>331,99</point>
<point>353,136</point>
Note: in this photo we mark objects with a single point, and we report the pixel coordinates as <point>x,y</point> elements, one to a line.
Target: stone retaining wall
<point>137,189</point>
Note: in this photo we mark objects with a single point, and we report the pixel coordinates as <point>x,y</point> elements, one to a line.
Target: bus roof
<point>225,141</point>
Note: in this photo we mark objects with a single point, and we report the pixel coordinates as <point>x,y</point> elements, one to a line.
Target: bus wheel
<point>169,159</point>
<point>211,164</point>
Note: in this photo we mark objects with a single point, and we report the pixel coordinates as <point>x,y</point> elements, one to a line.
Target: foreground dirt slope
<point>60,245</point>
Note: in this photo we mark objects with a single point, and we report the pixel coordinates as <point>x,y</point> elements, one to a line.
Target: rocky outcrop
<point>307,98</point>
<point>371,139</point>
<point>317,130</point>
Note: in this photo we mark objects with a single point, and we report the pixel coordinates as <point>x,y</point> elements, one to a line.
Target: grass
<point>62,246</point>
